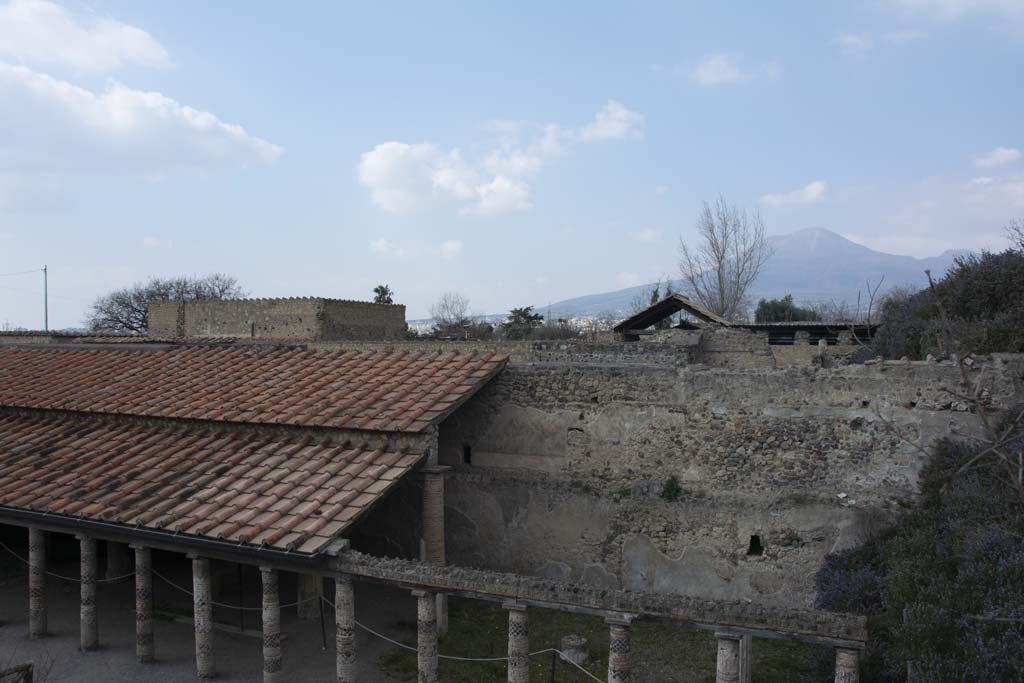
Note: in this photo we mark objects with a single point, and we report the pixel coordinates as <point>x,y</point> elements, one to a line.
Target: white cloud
<point>450,249</point>
<point>904,36</point>
<point>403,177</point>
<point>503,194</point>
<point>629,279</point>
<point>855,43</point>
<point>614,122</point>
<point>387,248</point>
<point>151,242</point>
<point>808,194</point>
<point>398,173</point>
<point>954,9</point>
<point>646,235</point>
<point>58,119</point>
<point>38,31</point>
<point>718,68</point>
<point>947,213</point>
<point>1000,156</point>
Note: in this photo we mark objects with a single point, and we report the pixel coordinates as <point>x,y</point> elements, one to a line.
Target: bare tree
<point>127,310</point>
<point>1015,233</point>
<point>450,313</point>
<point>732,252</point>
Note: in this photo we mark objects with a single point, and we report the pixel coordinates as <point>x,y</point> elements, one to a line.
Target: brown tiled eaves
<point>218,483</point>
<point>405,391</point>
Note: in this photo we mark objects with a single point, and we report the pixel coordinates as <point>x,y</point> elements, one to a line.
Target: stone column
<point>518,643</point>
<point>433,531</point>
<point>345,629</point>
<point>36,583</point>
<point>117,560</point>
<point>271,626</point>
<point>728,670</point>
<point>144,650</point>
<point>847,665</point>
<point>746,658</point>
<point>89,637</point>
<point>426,636</point>
<point>310,589</point>
<point>620,663</point>
<point>202,607</point>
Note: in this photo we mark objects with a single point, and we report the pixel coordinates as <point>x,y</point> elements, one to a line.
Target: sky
<point>519,153</point>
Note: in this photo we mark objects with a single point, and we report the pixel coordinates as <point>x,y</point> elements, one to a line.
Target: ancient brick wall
<point>295,318</point>
<point>361,320</point>
<point>567,465</point>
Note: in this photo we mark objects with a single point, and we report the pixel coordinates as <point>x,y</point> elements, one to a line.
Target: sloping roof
<point>220,483</point>
<point>673,303</point>
<point>404,391</point>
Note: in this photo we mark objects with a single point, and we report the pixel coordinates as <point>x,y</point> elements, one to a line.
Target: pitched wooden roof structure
<point>656,312</point>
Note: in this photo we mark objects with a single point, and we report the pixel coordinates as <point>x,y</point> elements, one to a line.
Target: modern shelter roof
<point>398,392</point>
<point>222,483</point>
<point>673,303</point>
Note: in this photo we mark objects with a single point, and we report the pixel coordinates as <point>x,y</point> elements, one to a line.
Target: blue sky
<point>519,153</point>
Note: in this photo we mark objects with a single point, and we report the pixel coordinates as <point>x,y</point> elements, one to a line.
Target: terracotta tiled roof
<point>217,483</point>
<point>402,391</point>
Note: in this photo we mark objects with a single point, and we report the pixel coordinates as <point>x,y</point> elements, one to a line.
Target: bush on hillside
<point>983,295</point>
<point>943,588</point>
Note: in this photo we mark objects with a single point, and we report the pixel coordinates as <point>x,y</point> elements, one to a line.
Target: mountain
<point>814,265</point>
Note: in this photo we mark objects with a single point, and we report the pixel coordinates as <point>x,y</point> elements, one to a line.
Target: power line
<point>22,272</point>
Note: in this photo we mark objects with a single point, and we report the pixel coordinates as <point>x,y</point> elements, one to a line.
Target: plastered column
<point>36,583</point>
<point>518,643</point>
<point>433,531</point>
<point>728,668</point>
<point>202,607</point>
<point>345,629</point>
<point>144,646</point>
<point>310,590</point>
<point>271,626</point>
<point>746,658</point>
<point>620,661</point>
<point>426,636</point>
<point>88,636</point>
<point>847,666</point>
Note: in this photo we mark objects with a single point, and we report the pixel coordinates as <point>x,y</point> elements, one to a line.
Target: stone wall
<point>567,465</point>
<point>713,347</point>
<point>562,351</point>
<point>296,318</point>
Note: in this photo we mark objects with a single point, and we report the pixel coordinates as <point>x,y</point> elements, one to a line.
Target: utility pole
<point>46,300</point>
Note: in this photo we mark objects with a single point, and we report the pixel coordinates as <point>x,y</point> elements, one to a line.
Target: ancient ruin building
<point>309,318</point>
<point>696,476</point>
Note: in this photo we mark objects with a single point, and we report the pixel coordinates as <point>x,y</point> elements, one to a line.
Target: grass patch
<point>662,653</point>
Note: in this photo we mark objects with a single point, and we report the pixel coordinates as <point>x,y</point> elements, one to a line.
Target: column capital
<point>726,635</point>
<point>620,620</point>
<point>514,605</point>
<point>436,469</point>
<point>417,593</point>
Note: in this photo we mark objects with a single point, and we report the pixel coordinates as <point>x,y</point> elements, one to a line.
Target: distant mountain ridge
<point>814,265</point>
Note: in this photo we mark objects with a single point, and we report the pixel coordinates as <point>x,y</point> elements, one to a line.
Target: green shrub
<point>983,296</point>
<point>931,583</point>
<point>782,310</point>
<point>671,490</point>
